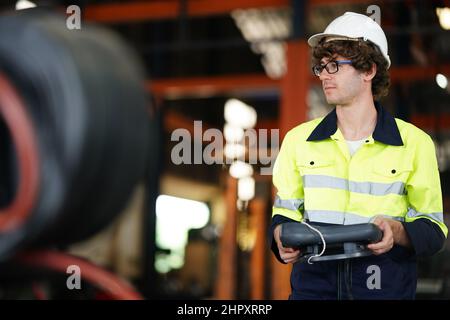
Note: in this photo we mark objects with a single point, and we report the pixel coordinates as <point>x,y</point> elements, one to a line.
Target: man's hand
<point>288,255</point>
<point>393,233</point>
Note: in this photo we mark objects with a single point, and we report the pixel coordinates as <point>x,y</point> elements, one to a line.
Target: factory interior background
<point>196,227</point>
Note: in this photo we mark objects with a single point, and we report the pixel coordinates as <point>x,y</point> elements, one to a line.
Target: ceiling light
<point>441,81</point>
<point>444,17</point>
<point>24,4</point>
<point>232,133</point>
<point>246,189</point>
<point>240,169</point>
<point>239,114</point>
<point>234,151</point>
<point>266,26</point>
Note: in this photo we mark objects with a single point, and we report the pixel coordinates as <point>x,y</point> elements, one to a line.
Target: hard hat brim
<point>315,39</point>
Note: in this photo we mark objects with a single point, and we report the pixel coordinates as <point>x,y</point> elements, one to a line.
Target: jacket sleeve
<point>288,204</point>
<point>424,221</point>
<point>288,182</point>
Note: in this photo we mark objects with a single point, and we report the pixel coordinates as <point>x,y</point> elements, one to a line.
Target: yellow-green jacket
<point>394,174</point>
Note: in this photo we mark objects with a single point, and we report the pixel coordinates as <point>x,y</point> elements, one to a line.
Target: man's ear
<point>369,75</point>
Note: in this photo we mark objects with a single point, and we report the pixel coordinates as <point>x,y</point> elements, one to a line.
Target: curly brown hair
<point>363,54</point>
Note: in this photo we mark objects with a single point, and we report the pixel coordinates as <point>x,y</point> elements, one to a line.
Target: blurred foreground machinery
<point>74,134</point>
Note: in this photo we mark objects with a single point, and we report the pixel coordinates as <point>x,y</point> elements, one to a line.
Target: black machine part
<point>88,109</point>
<point>342,241</point>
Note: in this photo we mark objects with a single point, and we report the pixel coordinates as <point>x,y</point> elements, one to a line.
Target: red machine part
<point>18,122</point>
<point>110,285</point>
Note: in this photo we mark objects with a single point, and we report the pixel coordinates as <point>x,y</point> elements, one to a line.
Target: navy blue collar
<point>386,130</point>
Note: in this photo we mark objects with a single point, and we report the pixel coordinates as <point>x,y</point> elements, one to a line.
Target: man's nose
<point>324,75</point>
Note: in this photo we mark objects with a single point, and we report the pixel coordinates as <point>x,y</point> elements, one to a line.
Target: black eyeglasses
<point>331,66</point>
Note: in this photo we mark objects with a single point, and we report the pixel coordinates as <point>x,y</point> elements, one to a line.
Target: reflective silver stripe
<point>339,217</point>
<point>372,188</point>
<point>291,204</point>
<point>438,216</point>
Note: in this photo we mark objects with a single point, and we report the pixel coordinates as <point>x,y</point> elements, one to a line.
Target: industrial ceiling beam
<point>431,122</point>
<point>333,2</point>
<point>211,86</point>
<point>132,11</point>
<point>170,9</point>
<point>416,73</point>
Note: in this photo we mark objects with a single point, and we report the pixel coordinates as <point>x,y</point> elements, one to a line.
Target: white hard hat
<point>351,26</point>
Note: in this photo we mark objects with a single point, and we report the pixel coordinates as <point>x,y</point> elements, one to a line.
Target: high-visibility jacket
<point>394,174</point>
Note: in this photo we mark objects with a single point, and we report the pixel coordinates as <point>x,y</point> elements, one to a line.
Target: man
<point>358,165</point>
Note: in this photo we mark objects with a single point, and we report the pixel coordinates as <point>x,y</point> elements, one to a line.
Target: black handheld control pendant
<point>342,241</point>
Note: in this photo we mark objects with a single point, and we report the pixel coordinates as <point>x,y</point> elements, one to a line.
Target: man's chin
<point>332,101</point>
<point>335,100</point>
